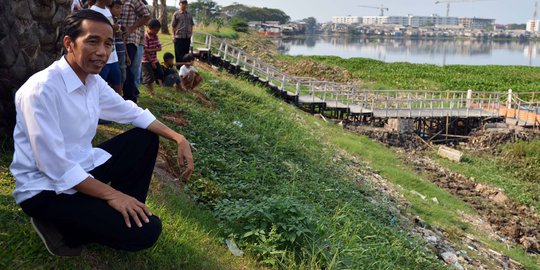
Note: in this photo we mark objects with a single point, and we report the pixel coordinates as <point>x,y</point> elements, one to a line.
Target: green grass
<point>191,238</point>
<point>407,76</point>
<point>262,178</point>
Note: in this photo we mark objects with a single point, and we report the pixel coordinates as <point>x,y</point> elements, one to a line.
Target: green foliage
<point>523,159</point>
<point>204,10</point>
<point>285,219</point>
<point>408,76</point>
<point>249,13</point>
<point>276,191</point>
<point>239,24</point>
<point>311,25</point>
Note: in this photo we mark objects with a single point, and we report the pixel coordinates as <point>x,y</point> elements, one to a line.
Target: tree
<point>163,17</point>
<point>30,37</point>
<point>205,10</point>
<point>256,13</point>
<point>311,25</point>
<point>239,24</point>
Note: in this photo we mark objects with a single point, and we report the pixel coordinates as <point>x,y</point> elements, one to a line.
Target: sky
<point>503,11</point>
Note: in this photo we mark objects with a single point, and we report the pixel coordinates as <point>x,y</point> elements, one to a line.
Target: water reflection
<point>432,51</point>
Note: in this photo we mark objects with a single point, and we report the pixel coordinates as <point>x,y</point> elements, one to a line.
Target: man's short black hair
<point>167,56</point>
<point>116,2</point>
<point>188,57</point>
<point>72,23</point>
<point>153,24</point>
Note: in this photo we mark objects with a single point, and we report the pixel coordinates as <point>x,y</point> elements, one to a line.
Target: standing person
<point>188,74</point>
<point>134,15</point>
<point>111,72</point>
<point>151,68</point>
<point>120,41</point>
<point>182,24</point>
<point>61,181</point>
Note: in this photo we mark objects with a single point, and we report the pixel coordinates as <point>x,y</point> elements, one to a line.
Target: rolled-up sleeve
<point>41,122</point>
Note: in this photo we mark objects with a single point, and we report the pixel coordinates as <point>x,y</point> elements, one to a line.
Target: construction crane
<point>533,24</point>
<point>455,1</point>
<point>382,8</point>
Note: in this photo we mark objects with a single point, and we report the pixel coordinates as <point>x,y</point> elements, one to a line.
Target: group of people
<point>76,193</point>
<point>134,57</point>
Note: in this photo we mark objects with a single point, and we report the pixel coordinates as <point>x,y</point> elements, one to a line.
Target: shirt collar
<point>71,80</point>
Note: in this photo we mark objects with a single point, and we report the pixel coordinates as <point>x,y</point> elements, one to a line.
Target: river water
<point>427,51</point>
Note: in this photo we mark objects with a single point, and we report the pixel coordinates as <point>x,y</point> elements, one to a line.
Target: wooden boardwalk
<point>346,100</point>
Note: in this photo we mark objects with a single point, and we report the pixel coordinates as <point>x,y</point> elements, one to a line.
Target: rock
<point>449,257</point>
<point>432,239</point>
<point>480,188</point>
<point>435,200</point>
<point>500,198</point>
<point>457,266</point>
<point>419,194</point>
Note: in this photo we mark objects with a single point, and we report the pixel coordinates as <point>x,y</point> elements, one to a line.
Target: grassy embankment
<point>273,166</point>
<point>514,167</point>
<point>263,177</point>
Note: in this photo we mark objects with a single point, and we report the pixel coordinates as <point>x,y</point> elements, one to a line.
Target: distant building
<point>433,20</point>
<point>375,19</point>
<point>346,19</point>
<point>414,21</point>
<point>475,23</point>
<point>533,26</point>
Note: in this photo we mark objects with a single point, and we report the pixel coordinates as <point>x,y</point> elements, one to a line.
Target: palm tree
<point>30,40</point>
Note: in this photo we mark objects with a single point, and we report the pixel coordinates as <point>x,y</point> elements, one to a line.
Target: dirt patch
<point>514,222</point>
<point>491,138</point>
<point>177,119</point>
<point>320,71</point>
<point>391,138</point>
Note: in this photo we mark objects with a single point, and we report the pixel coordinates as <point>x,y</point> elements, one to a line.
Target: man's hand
<point>185,158</point>
<point>129,207</point>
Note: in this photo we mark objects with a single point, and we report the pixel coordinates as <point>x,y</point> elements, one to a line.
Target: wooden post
<point>283,83</point>
<point>508,102</point>
<point>297,88</point>
<point>225,53</point>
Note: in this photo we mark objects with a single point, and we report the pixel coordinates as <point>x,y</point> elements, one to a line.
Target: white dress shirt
<point>57,117</point>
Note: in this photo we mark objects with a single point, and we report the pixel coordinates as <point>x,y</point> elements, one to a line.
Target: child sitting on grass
<point>151,69</point>
<point>188,74</point>
<point>170,73</point>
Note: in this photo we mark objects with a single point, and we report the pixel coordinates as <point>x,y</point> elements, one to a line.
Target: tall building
<point>533,26</point>
<point>346,19</point>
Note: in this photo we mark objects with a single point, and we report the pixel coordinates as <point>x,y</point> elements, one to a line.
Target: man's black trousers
<point>84,219</point>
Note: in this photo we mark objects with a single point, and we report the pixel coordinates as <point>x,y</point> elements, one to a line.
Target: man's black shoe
<point>53,239</point>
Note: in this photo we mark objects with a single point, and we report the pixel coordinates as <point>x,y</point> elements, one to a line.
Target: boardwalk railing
<point>377,103</point>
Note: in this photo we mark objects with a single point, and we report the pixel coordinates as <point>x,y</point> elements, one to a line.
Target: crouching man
<point>75,193</point>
